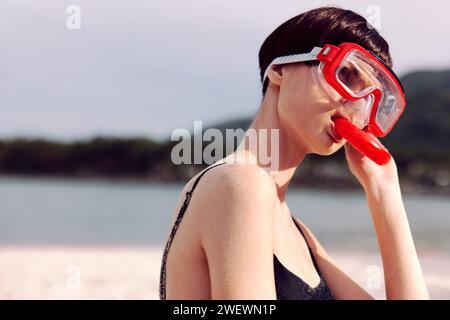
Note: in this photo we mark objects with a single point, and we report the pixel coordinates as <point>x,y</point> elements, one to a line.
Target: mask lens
<point>360,75</point>
<point>356,76</point>
<point>389,110</point>
<point>325,89</point>
<point>356,111</point>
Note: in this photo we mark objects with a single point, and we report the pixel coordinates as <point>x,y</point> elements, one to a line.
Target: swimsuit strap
<point>174,230</point>
<point>309,248</point>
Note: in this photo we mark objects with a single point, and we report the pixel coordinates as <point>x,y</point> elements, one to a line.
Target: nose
<point>341,110</point>
<point>352,113</point>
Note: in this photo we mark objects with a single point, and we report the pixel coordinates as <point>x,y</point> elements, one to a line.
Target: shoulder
<point>239,182</point>
<point>236,206</point>
<point>234,196</point>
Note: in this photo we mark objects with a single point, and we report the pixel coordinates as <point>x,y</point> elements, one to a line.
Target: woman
<point>238,238</point>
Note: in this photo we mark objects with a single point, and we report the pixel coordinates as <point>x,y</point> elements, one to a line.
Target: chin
<point>327,147</point>
<point>327,152</point>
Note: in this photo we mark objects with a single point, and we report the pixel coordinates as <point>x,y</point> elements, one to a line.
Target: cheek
<point>305,107</point>
<point>292,108</point>
<point>308,115</point>
<point>303,116</point>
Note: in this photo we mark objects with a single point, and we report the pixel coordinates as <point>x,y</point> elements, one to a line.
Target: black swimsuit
<point>288,285</point>
<point>291,287</point>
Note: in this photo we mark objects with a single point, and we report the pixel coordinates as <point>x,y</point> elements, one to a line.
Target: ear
<point>275,74</point>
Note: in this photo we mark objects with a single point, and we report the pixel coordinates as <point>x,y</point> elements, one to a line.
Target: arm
<point>403,275</point>
<point>402,272</point>
<point>237,233</point>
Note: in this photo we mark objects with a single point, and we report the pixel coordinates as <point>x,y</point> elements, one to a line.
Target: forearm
<point>402,272</point>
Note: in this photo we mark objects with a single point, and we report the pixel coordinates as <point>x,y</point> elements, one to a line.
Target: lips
<point>334,136</point>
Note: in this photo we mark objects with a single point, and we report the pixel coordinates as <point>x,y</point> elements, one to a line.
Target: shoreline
<point>407,187</point>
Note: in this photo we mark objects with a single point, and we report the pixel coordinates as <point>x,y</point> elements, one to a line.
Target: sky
<point>148,67</point>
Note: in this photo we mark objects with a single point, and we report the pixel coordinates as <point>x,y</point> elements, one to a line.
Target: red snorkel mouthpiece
<point>362,141</point>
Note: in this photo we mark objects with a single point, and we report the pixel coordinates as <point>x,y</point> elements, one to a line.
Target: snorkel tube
<point>362,141</point>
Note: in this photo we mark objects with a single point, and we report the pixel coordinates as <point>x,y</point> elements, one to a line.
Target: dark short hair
<point>317,27</point>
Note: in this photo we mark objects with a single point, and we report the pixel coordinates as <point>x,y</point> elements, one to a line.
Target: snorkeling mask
<point>369,88</point>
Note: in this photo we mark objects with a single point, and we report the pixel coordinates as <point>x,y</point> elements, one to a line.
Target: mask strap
<point>293,58</point>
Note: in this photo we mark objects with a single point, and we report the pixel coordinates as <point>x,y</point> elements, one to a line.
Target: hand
<point>370,175</point>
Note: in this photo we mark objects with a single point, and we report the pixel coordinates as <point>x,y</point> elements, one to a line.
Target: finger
<point>353,153</point>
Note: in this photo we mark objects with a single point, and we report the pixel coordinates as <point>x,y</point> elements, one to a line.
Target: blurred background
<point>90,92</point>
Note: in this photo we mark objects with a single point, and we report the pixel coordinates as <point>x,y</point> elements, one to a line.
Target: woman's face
<point>306,112</point>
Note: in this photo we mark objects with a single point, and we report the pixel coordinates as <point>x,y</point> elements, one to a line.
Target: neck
<point>290,149</point>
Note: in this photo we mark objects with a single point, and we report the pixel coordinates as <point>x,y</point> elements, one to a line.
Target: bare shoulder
<point>234,186</point>
<point>238,177</point>
<point>236,205</point>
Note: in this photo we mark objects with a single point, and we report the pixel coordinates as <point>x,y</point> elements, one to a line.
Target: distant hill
<point>238,123</point>
<point>423,131</point>
<point>419,143</point>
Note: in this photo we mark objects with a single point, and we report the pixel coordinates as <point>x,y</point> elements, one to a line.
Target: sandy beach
<point>133,273</point>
